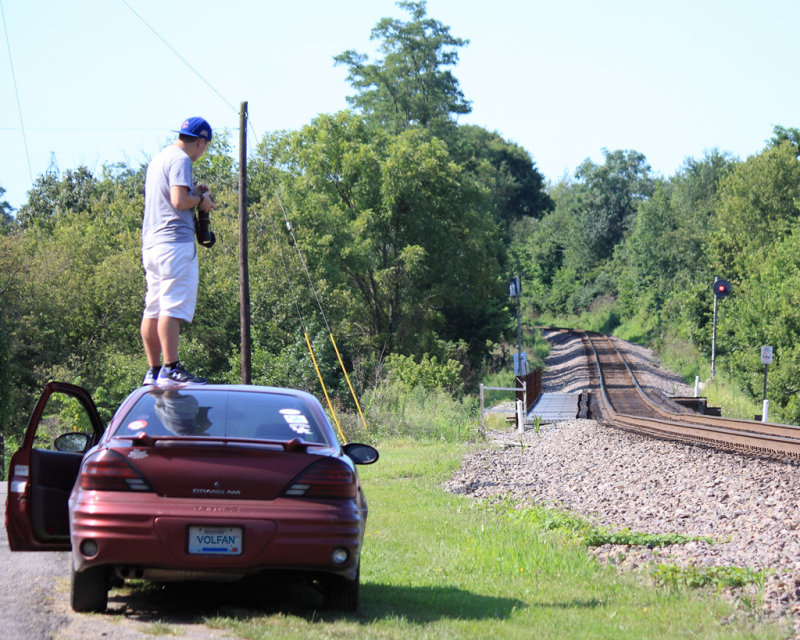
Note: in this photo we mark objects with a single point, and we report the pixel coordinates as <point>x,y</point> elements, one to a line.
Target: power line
<point>62,129</point>
<point>290,229</point>
<point>73,129</point>
<point>16,92</point>
<point>182,59</point>
<point>325,319</point>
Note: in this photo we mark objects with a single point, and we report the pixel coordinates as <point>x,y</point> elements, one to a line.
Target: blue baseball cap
<point>195,127</point>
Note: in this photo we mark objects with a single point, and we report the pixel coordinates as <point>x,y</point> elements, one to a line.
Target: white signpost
<point>766,360</point>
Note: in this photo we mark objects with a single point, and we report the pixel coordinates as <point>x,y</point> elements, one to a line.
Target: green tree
<point>759,203</point>
<point>764,311</point>
<point>665,253</point>
<point>411,84</point>
<point>592,215</point>
<point>51,197</point>
<point>505,169</point>
<point>217,166</point>
<point>394,232</point>
<point>785,134</point>
<point>609,198</point>
<point>537,254</point>
<point>5,372</point>
<point>6,219</point>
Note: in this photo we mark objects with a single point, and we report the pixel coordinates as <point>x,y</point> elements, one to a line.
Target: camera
<point>202,229</point>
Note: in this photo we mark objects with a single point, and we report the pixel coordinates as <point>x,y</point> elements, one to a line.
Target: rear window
<point>230,414</point>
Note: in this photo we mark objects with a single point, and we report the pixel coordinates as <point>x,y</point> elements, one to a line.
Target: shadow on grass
<point>427,604</point>
<point>191,603</point>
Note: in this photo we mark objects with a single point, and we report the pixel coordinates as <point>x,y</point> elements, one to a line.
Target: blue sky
<point>564,79</point>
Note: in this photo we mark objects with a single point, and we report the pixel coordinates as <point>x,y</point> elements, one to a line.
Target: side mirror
<point>73,442</point>
<point>361,453</point>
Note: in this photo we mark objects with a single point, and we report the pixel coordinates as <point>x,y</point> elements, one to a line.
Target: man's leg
<point>168,333</point>
<point>151,341</point>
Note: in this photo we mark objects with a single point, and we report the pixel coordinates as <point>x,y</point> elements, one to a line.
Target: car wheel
<point>341,593</point>
<point>90,589</point>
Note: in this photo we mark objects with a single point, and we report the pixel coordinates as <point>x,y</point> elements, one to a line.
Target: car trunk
<point>215,470</point>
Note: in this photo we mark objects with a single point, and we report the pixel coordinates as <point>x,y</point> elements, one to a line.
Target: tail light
<point>109,471</point>
<point>19,478</point>
<point>327,478</point>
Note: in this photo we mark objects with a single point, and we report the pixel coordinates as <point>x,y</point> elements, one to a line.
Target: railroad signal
<point>721,288</point>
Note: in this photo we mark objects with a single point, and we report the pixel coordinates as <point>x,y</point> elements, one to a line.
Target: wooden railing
<point>532,385</point>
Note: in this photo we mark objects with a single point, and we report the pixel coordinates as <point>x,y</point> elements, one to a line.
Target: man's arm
<point>181,198</point>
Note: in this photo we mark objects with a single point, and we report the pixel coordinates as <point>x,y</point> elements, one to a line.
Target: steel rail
<point>736,424</point>
<point>628,406</point>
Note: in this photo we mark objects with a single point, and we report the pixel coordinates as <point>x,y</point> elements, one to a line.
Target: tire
<point>90,590</point>
<point>341,593</point>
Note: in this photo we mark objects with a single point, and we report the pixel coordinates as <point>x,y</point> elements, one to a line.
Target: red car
<point>212,482</point>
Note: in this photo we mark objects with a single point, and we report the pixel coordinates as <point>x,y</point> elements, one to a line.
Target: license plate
<point>219,541</point>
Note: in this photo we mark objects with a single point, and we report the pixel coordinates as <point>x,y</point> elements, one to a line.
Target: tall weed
<point>394,410</point>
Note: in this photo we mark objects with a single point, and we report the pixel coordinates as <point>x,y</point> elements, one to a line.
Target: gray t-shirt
<point>162,222</point>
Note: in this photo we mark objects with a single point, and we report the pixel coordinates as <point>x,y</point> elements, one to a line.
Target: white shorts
<point>172,276</point>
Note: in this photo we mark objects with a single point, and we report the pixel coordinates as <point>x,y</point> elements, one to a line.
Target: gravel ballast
<point>748,505</point>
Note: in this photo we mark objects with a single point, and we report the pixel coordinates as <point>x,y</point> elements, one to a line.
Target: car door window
<point>53,472</point>
<point>63,414</point>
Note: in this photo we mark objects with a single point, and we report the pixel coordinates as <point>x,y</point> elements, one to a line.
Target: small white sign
<point>766,355</point>
<point>521,364</point>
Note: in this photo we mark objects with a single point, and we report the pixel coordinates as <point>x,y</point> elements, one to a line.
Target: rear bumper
<point>149,532</point>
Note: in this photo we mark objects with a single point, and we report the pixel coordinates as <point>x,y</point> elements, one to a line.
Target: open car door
<point>63,426</point>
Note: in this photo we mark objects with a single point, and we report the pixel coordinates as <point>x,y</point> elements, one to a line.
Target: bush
<point>429,373</point>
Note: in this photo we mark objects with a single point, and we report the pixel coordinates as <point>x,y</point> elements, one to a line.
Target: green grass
<point>394,411</point>
<point>600,317</point>
<point>580,530</point>
<point>670,575</point>
<point>437,565</point>
<point>492,397</point>
<point>684,359</point>
<point>537,349</point>
<point>158,628</point>
<point>734,402</point>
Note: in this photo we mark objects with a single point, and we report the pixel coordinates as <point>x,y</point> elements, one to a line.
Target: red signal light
<point>721,288</point>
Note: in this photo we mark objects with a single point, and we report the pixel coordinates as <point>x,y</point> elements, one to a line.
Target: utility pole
<point>244,271</point>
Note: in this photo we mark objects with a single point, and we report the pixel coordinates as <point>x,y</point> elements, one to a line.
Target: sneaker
<point>177,376</point>
<point>151,376</point>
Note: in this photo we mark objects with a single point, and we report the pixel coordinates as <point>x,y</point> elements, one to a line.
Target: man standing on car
<point>169,254</point>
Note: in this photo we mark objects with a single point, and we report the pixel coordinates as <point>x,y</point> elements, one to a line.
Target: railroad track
<point>626,405</point>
